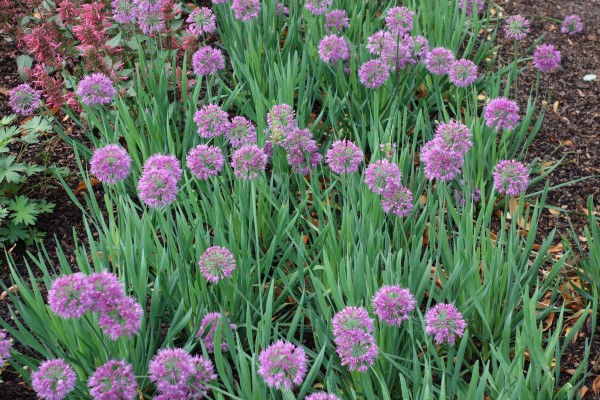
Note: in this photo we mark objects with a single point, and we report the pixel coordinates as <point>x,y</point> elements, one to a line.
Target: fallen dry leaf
<point>583,391</point>
<point>13,289</point>
<point>566,142</point>
<point>81,186</point>
<point>4,91</point>
<point>596,385</point>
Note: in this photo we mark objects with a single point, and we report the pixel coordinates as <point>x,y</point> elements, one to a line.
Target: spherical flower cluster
<point>110,164</point>
<point>469,4</point>
<point>353,337</point>
<point>571,25</point>
<point>511,177</point>
<point>419,49</point>
<point>201,21</point>
<point>113,380</point>
<point>208,61</point>
<point>96,89</point>
<point>208,329</point>
<point>166,162</point>
<point>516,27</point>
<point>444,322</point>
<point>321,396</point>
<point>105,290</point>
<point>333,48</point>
<point>463,72</point>
<point>439,60</point>
<point>281,121</point>
<point>393,304</point>
<point>397,200</point>
<point>245,10</point>
<point>205,161</point>
<point>344,157</point>
<point>121,318</point>
<point>379,42</point>
<point>351,319</point>
<point>546,58</point>
<point>381,173</point>
<point>318,7</point>
<point>399,20</point>
<point>150,16</point>
<point>282,365</point>
<point>216,263</point>
<point>157,186</point>
<point>53,380</point>
<point>399,54</point>
<point>241,132</point>
<point>69,296</point>
<point>336,21</point>
<point>212,121</point>
<point>501,113</point>
<point>23,99</point>
<point>178,375</point>
<point>302,151</point>
<point>5,346</point>
<point>374,73</point>
<point>123,11</point>
<point>440,163</point>
<point>453,136</point>
<point>248,162</point>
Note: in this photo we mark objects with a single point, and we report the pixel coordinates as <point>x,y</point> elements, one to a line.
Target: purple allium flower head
<point>157,187</point>
<point>439,60</point>
<point>336,21</point>
<point>392,304</point>
<point>208,61</point>
<point>501,113</point>
<point>105,290</point>
<point>546,58</point>
<point>282,365</point>
<point>351,319</point>
<point>281,121</point>
<point>212,121</point>
<point>511,177</point>
<point>318,7</point>
<point>388,149</point>
<point>5,346</point>
<point>468,5</point>
<point>571,25</point>
<point>321,396</point>
<point>516,27</point>
<point>70,296</point>
<point>380,42</point>
<point>248,162</point>
<point>463,72</point>
<point>358,351</point>
<point>169,163</point>
<point>344,157</point>
<point>208,329</point>
<point>241,132</point>
<point>216,263</point>
<point>303,152</point>
<point>245,10</point>
<point>419,49</point>
<point>113,381</point>
<point>110,164</point>
<point>398,55</point>
<point>333,48</point>
<point>453,136</point>
<point>205,161</point>
<point>399,20</point>
<point>150,16</point>
<point>381,173</point>
<point>96,89</point>
<point>53,380</point>
<point>24,99</point>
<point>282,10</point>
<point>397,200</point>
<point>201,21</point>
<point>123,11</point>
<point>198,383</point>
<point>444,322</point>
<point>170,370</point>
<point>373,73</point>
<point>440,163</point>
<point>122,318</point>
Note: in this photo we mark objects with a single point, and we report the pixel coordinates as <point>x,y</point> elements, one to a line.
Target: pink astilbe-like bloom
<point>216,263</point>
<point>42,43</point>
<point>157,188</point>
<point>454,136</point>
<point>399,20</point>
<point>444,322</point>
<point>170,370</point>
<point>516,27</point>
<point>468,5</point>
<point>282,365</point>
<point>24,99</point>
<point>113,381</point>
<point>150,16</point>
<point>318,7</point>
<point>373,73</point>
<point>208,61</point>
<point>440,163</point>
<point>419,49</point>
<point>336,21</point>
<point>124,11</point>
<point>321,396</point>
<point>511,177</point>
<point>381,173</point>
<point>110,164</point>
<point>70,295</point>
<point>501,113</point>
<point>248,162</point>
<point>89,34</point>
<point>397,200</point>
<point>439,60</point>
<point>358,350</point>
<point>167,162</point>
<point>571,25</point>
<point>393,304</point>
<point>546,58</point>
<point>333,48</point>
<point>208,329</point>
<point>5,345</point>
<point>281,121</point>
<point>344,157</point>
<point>68,11</point>
<point>105,290</point>
<point>212,121</point>
<point>54,380</point>
<point>241,132</point>
<point>463,72</point>
<point>380,42</point>
<point>51,87</point>
<point>122,318</point>
<point>245,10</point>
<point>205,161</point>
<point>96,89</point>
<point>201,21</point>
<point>352,319</point>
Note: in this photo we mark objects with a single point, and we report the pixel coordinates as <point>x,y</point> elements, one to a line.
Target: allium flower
<point>207,61</point>
<point>336,21</point>
<point>572,25</point>
<point>282,10</point>
<point>463,72</point>
<point>516,27</point>
<point>170,369</point>
<point>201,21</point>
<point>333,48</point>
<point>281,121</point>
<point>440,163</point>
<point>380,42</point>
<point>245,10</point>
<point>381,173</point>
<point>546,58</point>
<point>241,132</point>
<point>216,263</point>
<point>96,89</point>
<point>453,136</point>
<point>110,164</point>
<point>248,161</point>
<point>157,188</point>
<point>321,396</point>
<point>468,4</point>
<point>212,121</point>
<point>397,200</point>
<point>303,152</point>
<point>502,113</point>
<point>113,381</point>
<point>53,380</point>
<point>282,365</point>
<point>198,383</point>
<point>169,163</point>
<point>358,351</point>
<point>69,296</point>
<point>373,73</point>
<point>439,60</point>
<point>208,329</point>
<point>24,99</point>
<point>122,318</point>
<point>399,20</point>
<point>344,157</point>
<point>352,319</point>
<point>419,49</point>
<point>511,177</point>
<point>205,161</point>
<point>5,346</point>
<point>444,322</point>
<point>392,304</point>
<point>123,11</point>
<point>318,7</point>
<point>105,290</point>
<point>150,16</point>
